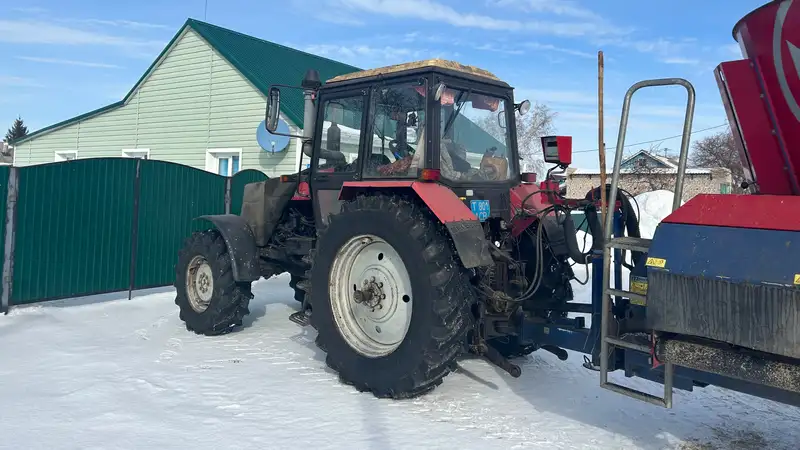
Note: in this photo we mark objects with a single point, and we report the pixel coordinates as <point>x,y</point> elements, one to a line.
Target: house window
<point>725,188</point>
<point>141,153</point>
<point>225,162</point>
<point>66,155</point>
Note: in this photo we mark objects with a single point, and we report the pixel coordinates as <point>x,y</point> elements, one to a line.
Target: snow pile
<point>654,206</point>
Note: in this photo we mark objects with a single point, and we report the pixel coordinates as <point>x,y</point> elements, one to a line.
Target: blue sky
<point>62,58</point>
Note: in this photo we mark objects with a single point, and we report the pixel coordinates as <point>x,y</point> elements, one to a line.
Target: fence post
<point>135,228</point>
<point>228,195</point>
<point>9,238</point>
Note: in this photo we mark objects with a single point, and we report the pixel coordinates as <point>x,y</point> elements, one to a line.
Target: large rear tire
<point>211,302</point>
<point>413,313</point>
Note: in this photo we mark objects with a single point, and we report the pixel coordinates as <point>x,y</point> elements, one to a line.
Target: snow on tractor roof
<point>437,63</point>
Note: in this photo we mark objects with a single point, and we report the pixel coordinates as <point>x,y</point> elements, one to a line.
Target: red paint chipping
<point>766,212</point>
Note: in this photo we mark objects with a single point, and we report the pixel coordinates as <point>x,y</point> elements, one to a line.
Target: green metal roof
<point>261,62</point>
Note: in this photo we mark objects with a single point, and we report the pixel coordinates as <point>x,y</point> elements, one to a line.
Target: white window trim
<point>212,159</point>
<point>58,155</point>
<point>128,152</point>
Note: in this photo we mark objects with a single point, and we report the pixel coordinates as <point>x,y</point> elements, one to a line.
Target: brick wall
<point>715,182</point>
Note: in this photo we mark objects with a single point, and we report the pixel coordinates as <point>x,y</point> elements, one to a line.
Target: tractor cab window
<point>397,120</point>
<point>474,142</point>
<point>341,134</point>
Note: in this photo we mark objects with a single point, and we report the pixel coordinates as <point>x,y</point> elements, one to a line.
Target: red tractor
<point>412,238</point>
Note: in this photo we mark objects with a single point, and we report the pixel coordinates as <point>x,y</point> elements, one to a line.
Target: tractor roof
<point>416,65</point>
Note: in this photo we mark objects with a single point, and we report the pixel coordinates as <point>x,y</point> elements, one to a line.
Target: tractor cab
<point>431,120</point>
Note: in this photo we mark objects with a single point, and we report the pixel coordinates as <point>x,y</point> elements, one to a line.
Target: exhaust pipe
<point>310,85</point>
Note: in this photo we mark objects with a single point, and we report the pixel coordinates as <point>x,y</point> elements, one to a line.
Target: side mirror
<point>273,109</point>
<point>523,107</point>
<point>501,119</point>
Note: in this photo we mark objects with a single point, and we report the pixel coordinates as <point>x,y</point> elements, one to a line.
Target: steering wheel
<point>398,152</point>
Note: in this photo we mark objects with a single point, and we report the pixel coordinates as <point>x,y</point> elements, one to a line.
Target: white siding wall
<point>194,101</point>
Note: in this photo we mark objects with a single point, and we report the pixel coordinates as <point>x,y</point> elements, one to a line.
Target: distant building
<point>200,103</point>
<point>644,171</point>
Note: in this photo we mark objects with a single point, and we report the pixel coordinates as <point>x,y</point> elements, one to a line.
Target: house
<point>201,103</point>
<point>645,171</point>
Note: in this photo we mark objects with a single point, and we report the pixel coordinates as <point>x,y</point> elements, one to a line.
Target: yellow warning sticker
<point>797,278</point>
<point>656,262</point>
<point>639,287</point>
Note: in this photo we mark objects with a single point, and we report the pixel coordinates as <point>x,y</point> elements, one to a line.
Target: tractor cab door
<point>341,117</point>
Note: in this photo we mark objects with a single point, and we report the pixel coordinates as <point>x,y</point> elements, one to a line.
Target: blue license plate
<point>480,208</point>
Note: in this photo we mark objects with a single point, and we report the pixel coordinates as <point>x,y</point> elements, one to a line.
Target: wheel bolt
<point>380,284</point>
<point>373,279</point>
<point>383,296</point>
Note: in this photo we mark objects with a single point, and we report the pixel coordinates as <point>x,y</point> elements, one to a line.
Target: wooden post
<point>9,239</point>
<point>601,146</point>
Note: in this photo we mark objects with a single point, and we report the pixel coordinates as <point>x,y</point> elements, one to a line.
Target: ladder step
<point>636,299</point>
<point>630,243</point>
<point>638,395</point>
<point>627,344</point>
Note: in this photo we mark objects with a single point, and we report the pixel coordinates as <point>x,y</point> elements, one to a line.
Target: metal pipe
<point>309,121</point>
<point>687,134</point>
<point>623,127</point>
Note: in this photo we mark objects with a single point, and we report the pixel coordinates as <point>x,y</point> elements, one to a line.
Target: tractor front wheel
<point>211,302</point>
<point>391,299</point>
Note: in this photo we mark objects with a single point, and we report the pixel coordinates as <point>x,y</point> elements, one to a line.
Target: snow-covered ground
<point>105,373</point>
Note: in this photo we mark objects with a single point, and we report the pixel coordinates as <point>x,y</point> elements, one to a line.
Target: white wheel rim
<point>199,283</point>
<point>376,325</point>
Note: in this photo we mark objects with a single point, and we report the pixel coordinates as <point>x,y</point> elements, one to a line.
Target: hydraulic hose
<point>631,221</point>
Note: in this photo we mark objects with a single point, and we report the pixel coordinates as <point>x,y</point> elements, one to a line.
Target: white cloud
<point>559,7</point>
<point>68,62</point>
<point>30,10</point>
<point>568,51</point>
<point>681,61</point>
<point>12,81</point>
<point>40,32</point>
<point>124,24</point>
<point>430,10</point>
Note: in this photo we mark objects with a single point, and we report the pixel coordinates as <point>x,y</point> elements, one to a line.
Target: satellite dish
<point>272,142</point>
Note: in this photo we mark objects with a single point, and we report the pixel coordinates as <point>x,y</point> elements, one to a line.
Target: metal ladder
<point>609,338</point>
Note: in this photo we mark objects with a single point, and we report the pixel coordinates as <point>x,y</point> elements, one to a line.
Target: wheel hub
<point>370,292</point>
<point>199,283</point>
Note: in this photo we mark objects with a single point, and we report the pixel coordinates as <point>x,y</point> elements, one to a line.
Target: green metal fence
<point>98,225</point>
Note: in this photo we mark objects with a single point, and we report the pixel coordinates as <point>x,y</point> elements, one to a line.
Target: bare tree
<point>531,127</point>
<point>718,150</point>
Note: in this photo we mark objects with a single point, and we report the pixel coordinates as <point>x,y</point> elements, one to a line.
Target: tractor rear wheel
<point>210,301</point>
<point>391,300</point>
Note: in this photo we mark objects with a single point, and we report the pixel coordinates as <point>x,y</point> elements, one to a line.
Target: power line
<point>613,147</point>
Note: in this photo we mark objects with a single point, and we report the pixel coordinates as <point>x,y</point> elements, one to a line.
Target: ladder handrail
<point>608,228</point>
<point>623,128</point>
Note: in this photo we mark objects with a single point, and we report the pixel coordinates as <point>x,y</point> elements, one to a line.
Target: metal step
<point>627,344</point>
<point>636,299</point>
<point>630,243</point>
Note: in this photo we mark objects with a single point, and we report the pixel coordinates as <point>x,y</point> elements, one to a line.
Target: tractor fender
<point>463,226</point>
<point>241,245</point>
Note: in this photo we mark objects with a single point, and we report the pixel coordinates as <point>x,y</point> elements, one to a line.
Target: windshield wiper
<point>459,104</point>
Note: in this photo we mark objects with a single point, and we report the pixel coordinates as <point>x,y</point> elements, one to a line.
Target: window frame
<point>213,157</point>
<point>506,95</point>
<point>57,155</point>
<point>372,106</point>
<point>345,92</point>
<point>126,152</point>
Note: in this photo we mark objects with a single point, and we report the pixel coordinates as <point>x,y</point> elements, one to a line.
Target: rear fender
<point>241,245</point>
<point>463,226</point>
